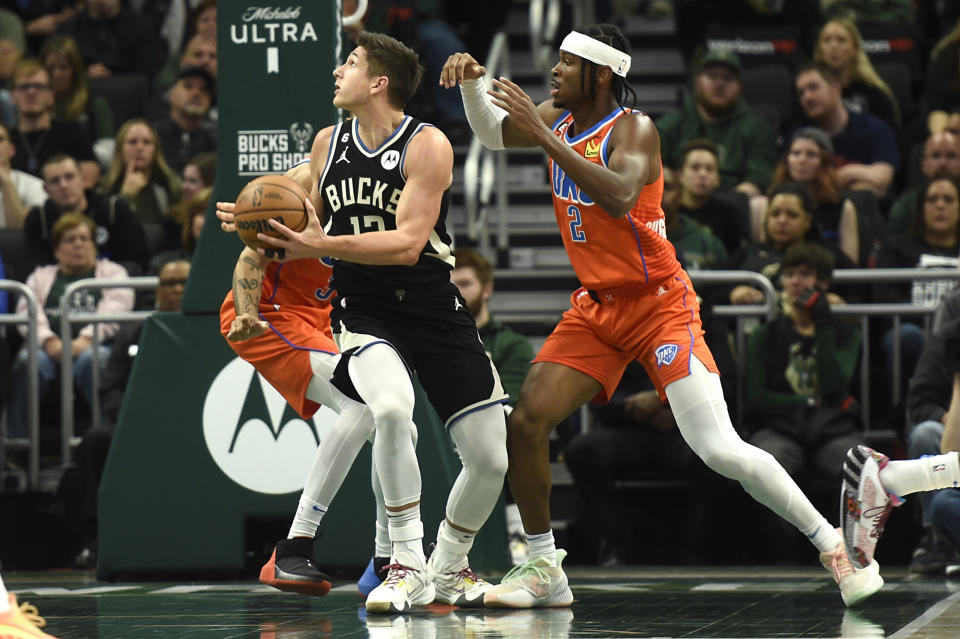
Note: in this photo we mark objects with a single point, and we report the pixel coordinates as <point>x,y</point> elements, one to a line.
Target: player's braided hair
<point>609,34</point>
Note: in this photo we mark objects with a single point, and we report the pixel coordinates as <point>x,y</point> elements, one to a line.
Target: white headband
<point>595,51</point>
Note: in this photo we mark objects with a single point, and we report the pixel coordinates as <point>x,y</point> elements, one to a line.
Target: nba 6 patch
<point>666,353</point>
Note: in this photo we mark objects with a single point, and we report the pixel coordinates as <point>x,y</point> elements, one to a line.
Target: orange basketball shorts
<point>282,354</point>
<point>606,330</point>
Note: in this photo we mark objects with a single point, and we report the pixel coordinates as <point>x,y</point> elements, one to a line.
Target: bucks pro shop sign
<point>254,436</point>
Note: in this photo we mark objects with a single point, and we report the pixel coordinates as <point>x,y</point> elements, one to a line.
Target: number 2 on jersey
<point>576,233</point>
<point>370,223</point>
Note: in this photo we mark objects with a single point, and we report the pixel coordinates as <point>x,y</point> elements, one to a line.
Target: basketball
<point>266,197</point>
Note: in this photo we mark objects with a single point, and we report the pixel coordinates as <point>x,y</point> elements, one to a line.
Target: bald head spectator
<point>187,130</point>
<point>865,147</point>
<point>941,158</point>
<point>38,135</point>
<point>114,39</point>
<point>716,111</point>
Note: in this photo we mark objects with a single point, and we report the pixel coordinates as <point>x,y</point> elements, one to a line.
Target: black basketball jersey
<point>360,188</point>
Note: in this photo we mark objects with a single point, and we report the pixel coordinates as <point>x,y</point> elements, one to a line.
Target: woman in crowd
<point>191,212</point>
<point>840,47</point>
<point>76,255</point>
<point>68,78</point>
<point>140,175</point>
<point>808,160</point>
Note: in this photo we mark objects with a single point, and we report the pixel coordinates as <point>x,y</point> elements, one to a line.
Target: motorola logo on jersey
<point>390,159</point>
<point>254,437</point>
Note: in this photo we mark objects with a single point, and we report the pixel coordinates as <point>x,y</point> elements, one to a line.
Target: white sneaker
<point>461,588</point>
<point>517,545</point>
<point>402,588</point>
<point>856,584</point>
<point>864,503</point>
<point>535,584</point>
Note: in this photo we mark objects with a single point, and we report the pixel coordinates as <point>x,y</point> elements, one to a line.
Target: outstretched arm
<point>492,125</point>
<point>247,285</point>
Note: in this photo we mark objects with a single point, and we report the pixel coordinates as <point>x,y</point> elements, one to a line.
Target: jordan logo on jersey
<point>666,353</point>
<point>343,158</point>
<point>456,304</point>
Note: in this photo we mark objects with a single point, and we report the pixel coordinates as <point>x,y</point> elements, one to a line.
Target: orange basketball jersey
<point>606,252</point>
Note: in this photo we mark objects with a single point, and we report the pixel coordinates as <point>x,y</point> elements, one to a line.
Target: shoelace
<point>840,565</point>
<point>519,572</point>
<point>396,572</point>
<point>30,612</point>
<point>467,573</point>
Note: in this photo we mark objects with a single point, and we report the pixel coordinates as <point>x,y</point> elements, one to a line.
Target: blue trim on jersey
<point>643,261</point>
<point>360,349</point>
<point>390,138</point>
<point>403,156</point>
<point>276,282</point>
<point>492,402</point>
<point>591,130</point>
<point>559,120</point>
<point>604,152</point>
<point>291,344</point>
<point>686,290</point>
<point>303,161</point>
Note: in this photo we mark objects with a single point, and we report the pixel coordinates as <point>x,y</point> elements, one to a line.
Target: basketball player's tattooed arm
<point>429,169</point>
<point>634,151</point>
<point>247,285</point>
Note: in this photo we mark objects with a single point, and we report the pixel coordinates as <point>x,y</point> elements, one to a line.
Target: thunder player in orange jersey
<point>636,302</point>
<point>277,317</point>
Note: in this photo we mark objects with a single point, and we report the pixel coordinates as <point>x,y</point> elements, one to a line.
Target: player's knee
<point>526,425</point>
<point>727,461</point>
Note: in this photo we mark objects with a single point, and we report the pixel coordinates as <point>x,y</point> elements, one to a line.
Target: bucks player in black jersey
<point>381,179</point>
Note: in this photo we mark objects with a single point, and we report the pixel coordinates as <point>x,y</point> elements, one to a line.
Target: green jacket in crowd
<point>697,245</point>
<point>745,140</point>
<point>510,352</point>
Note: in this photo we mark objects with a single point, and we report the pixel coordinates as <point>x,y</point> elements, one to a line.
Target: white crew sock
<point>543,545</point>
<point>930,472</point>
<point>307,519</point>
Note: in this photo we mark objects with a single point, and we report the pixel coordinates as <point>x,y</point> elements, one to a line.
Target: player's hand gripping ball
<point>269,196</point>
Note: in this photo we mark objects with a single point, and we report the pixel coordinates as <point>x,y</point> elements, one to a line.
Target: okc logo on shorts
<point>666,354</point>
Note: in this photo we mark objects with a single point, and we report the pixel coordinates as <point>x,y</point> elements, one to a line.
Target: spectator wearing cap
<point>716,111</point>
<point>865,147</point>
<point>941,158</point>
<point>114,39</point>
<point>187,130</point>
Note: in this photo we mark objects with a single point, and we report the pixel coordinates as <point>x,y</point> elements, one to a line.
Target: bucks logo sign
<point>254,436</point>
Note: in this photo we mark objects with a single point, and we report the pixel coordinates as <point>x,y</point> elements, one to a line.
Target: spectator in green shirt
<point>746,142</point>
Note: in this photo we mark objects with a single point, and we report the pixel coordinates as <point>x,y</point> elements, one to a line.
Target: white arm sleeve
<point>485,119</point>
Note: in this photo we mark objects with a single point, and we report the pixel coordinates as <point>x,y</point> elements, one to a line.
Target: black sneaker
<point>932,555</point>
<point>290,568</point>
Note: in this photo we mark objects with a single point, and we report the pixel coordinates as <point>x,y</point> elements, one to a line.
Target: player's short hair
<point>811,256</point>
<point>392,58</point>
<point>700,144</point>
<point>469,258</point>
<point>68,222</point>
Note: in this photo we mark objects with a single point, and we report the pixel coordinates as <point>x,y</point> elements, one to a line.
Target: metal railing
<point>66,363</point>
<point>484,171</point>
<point>544,18</point>
<point>33,400</point>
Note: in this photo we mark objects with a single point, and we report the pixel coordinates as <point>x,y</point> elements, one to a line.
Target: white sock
<point>307,519</point>
<point>514,522</point>
<point>544,546</point>
<point>4,600</point>
<point>381,544</point>
<point>825,537</point>
<point>406,536</point>
<point>930,472</point>
<point>452,549</point>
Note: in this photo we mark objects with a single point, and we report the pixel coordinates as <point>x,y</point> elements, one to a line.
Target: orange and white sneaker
<point>459,587</point>
<point>22,621</point>
<point>404,586</point>
<point>535,584</point>
<point>856,584</point>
